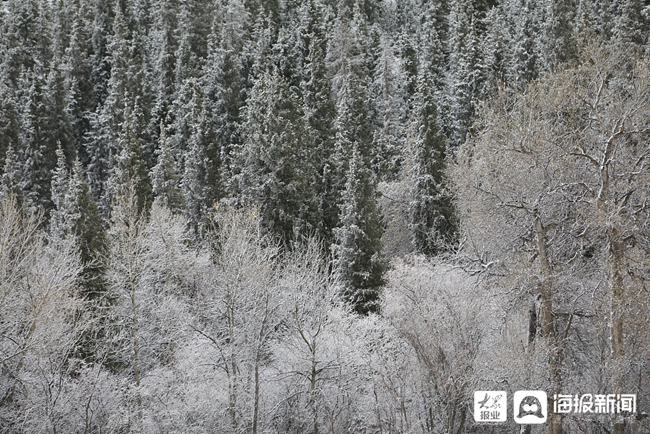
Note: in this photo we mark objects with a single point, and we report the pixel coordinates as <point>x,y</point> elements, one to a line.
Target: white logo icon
<point>530,407</point>
<point>490,406</point>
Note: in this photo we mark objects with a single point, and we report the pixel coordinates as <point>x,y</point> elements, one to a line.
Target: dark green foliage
<point>263,101</point>
<point>77,70</point>
<point>465,69</point>
<point>631,24</point>
<point>130,167</point>
<point>75,217</point>
<point>224,86</point>
<point>10,182</point>
<point>163,45</point>
<point>25,38</point>
<point>357,247</point>
<point>352,123</point>
<point>201,181</point>
<point>275,167</point>
<point>557,44</point>
<point>100,36</point>
<point>92,241</point>
<point>165,179</point>
<point>389,90</point>
<point>318,109</point>
<point>56,123</point>
<point>9,114</point>
<point>432,221</point>
<point>35,157</point>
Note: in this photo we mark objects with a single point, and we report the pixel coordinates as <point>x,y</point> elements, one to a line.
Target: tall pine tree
<point>164,175</point>
<point>276,170</point>
<point>357,247</point>
<point>10,182</point>
<point>431,214</point>
<point>130,169</point>
<point>76,218</point>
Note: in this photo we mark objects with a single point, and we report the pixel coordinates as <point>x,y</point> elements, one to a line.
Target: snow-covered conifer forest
<point>320,216</point>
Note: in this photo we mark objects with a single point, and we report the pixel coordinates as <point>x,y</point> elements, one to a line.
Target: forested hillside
<point>323,216</point>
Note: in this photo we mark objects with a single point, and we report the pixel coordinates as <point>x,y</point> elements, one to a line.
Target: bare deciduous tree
<point>437,313</point>
<point>553,195</point>
<point>238,312</point>
<point>41,321</point>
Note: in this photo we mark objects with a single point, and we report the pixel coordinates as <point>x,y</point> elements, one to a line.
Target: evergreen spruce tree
<point>631,25</point>
<point>429,47</point>
<point>130,167</point>
<point>319,112</point>
<point>91,237</point>
<point>556,42</point>
<point>139,12</point>
<point>275,167</point>
<point>349,64</point>
<point>99,53</point>
<point>186,65</point>
<point>62,217</point>
<point>9,109</point>
<point>34,153</point>
<point>26,38</point>
<point>234,27</point>
<point>524,59</point>
<point>56,123</point>
<point>269,9</point>
<point>357,247</point>
<point>289,52</point>
<point>350,70</point>
<point>164,175</point>
<point>161,51</point>
<point>260,46</point>
<point>201,181</point>
<point>408,48</point>
<point>224,79</point>
<point>43,124</point>
<point>465,70</point>
<point>75,218</point>
<point>137,18</point>
<point>431,214</point>
<point>315,86</point>
<point>59,14</point>
<point>10,182</point>
<point>102,140</point>
<point>494,51</point>
<point>595,17</point>
<point>192,185</point>
<point>390,91</point>
<point>76,67</point>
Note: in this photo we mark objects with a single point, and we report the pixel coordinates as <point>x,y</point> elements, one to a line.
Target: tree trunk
<point>532,324</point>
<point>616,276</point>
<point>258,360</point>
<point>256,404</point>
<point>233,369</point>
<point>136,352</point>
<point>548,323</point>
<point>312,389</point>
<point>548,329</point>
<point>618,351</point>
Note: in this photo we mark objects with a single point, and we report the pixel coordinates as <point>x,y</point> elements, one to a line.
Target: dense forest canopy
<point>321,216</point>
